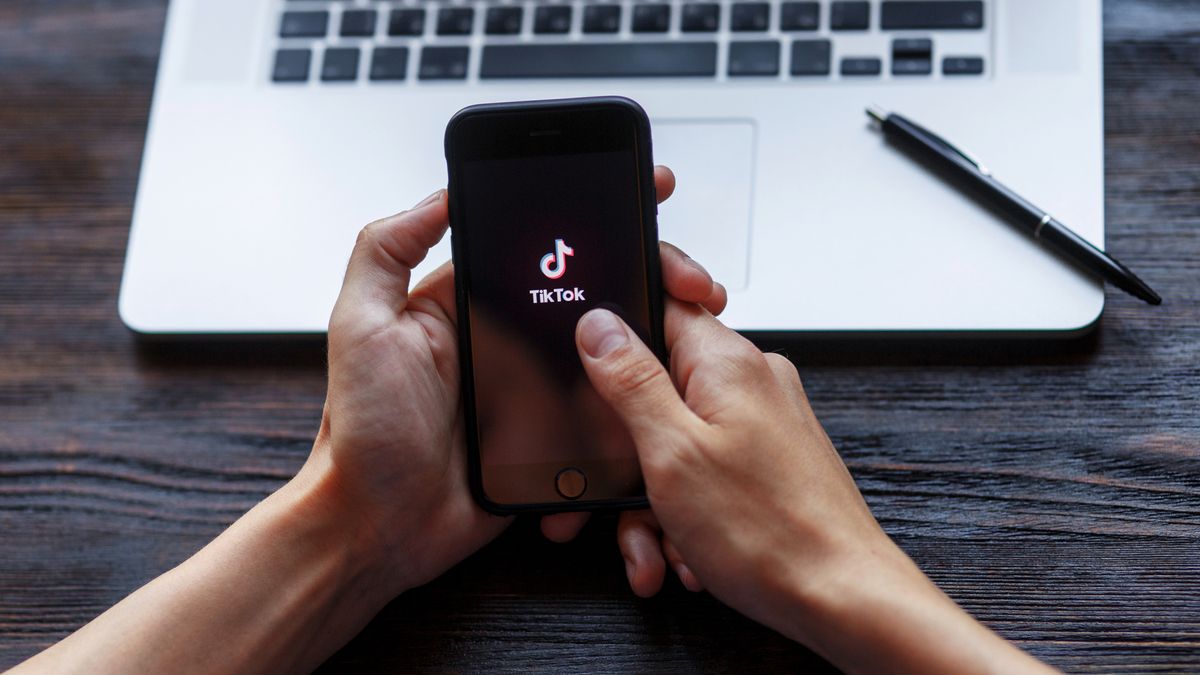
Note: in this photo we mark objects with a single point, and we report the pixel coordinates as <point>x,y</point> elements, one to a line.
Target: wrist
<point>872,609</point>
<point>855,593</point>
<point>319,501</point>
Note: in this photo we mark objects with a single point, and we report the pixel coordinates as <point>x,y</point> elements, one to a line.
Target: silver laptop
<point>281,127</point>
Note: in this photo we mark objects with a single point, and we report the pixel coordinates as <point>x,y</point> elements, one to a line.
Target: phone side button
<point>571,483</point>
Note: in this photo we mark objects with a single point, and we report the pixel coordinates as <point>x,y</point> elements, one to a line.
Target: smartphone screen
<point>550,221</point>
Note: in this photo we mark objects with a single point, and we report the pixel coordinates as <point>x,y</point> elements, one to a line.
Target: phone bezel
<point>550,127</point>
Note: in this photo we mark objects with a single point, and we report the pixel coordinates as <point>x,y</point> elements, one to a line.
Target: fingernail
<point>686,577</point>
<point>436,196</point>
<point>691,261</point>
<point>629,570</point>
<point>601,332</point>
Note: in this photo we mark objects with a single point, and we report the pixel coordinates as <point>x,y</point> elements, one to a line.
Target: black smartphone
<point>552,213</point>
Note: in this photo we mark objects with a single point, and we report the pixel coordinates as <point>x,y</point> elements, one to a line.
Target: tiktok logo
<point>554,265</point>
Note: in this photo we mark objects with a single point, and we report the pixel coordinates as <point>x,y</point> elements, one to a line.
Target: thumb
<point>383,258</point>
<point>630,378</point>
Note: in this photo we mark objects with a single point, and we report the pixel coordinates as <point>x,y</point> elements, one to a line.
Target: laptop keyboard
<point>340,41</point>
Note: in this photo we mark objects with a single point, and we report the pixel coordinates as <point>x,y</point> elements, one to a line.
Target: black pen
<point>961,166</point>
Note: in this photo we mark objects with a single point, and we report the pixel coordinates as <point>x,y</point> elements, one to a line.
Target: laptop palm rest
<point>709,214</point>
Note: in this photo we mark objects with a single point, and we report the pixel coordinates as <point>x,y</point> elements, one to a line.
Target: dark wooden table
<point>1053,490</point>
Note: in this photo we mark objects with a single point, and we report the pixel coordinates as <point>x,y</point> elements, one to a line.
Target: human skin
<point>753,501</point>
<point>380,506</point>
<point>748,490</point>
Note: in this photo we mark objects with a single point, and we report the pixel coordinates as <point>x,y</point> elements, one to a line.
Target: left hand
<point>646,549</point>
<point>392,439</point>
<point>381,505</point>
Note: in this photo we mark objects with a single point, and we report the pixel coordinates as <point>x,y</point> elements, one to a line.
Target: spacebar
<point>625,59</point>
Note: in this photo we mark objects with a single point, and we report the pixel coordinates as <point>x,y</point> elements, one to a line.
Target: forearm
<point>280,590</point>
<point>879,612</point>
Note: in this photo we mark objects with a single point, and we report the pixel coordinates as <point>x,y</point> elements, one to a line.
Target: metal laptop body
<point>252,190</point>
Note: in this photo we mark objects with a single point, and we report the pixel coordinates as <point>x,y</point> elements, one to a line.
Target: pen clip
<point>952,148</point>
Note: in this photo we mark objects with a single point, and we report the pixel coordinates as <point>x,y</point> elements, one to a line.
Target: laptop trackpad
<point>709,214</point>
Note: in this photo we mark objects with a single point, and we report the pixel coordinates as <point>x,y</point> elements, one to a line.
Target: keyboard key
<point>651,17</point>
<point>749,16</point>
<point>454,21</point>
<point>912,56</point>
<point>291,65</point>
<point>912,66</point>
<point>443,63</point>
<point>625,59</point>
<point>389,63</point>
<point>304,24</point>
<point>341,64</point>
<point>754,58</point>
<point>700,17</point>
<point>601,18</point>
<point>850,15</point>
<point>502,21</point>
<point>552,19</point>
<point>932,15</point>
<point>912,46</point>
<point>962,65</point>
<point>406,22</point>
<point>799,16</point>
<point>856,66</point>
<point>811,57</point>
<point>358,23</point>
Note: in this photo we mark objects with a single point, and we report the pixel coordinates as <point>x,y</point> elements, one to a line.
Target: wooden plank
<point>1052,489</point>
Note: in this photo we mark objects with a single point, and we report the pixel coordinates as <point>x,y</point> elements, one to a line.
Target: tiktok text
<point>545,296</point>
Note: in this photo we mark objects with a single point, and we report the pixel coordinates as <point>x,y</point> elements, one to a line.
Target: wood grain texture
<point>1052,489</point>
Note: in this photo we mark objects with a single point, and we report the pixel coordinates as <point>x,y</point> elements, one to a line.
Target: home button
<point>570,483</point>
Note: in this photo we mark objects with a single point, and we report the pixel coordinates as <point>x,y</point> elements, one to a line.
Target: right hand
<point>751,493</point>
<point>747,486</point>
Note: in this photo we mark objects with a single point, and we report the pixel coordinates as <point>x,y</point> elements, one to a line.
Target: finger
<point>698,342</point>
<point>782,368</point>
<point>387,250</point>
<point>691,288</point>
<point>562,527</point>
<point>630,378</point>
<point>685,574</point>
<point>435,293</point>
<point>664,183</point>
<point>689,281</point>
<point>637,537</point>
<point>684,278</point>
<point>716,303</point>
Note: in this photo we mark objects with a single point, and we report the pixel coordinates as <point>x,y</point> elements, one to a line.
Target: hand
<point>644,547</point>
<point>392,433</point>
<point>750,491</point>
<point>380,506</point>
<point>739,448</point>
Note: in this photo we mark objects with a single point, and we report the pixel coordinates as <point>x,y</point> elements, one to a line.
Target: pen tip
<point>876,113</point>
<point>1142,291</point>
